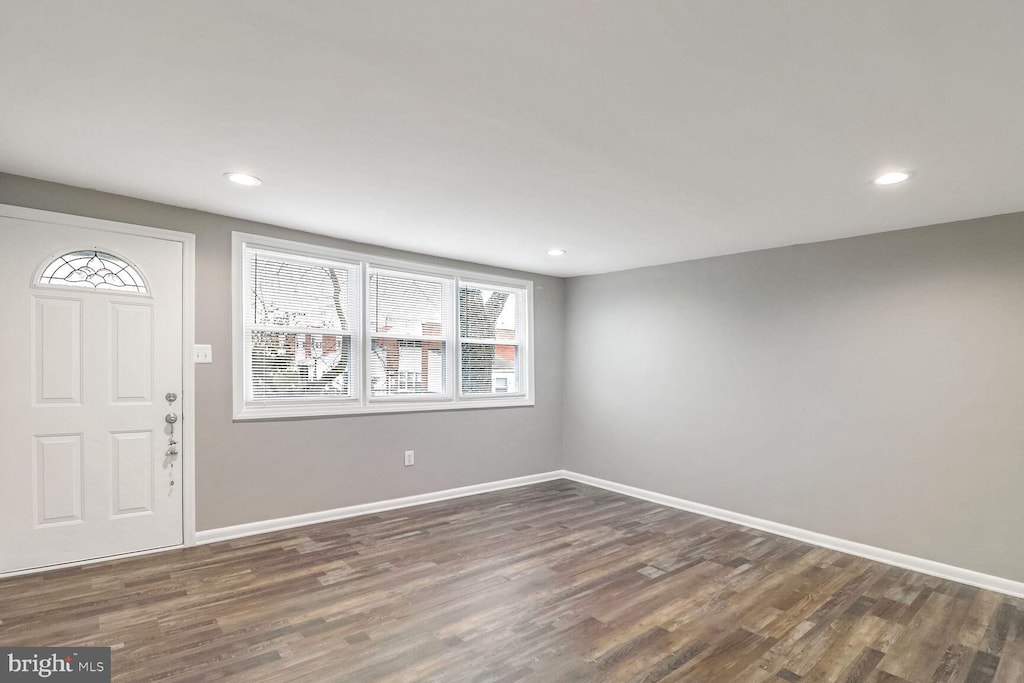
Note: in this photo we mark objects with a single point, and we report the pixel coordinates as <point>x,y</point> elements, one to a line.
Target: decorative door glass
<point>95,270</point>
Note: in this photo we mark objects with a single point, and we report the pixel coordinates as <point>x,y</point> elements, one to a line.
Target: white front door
<point>92,343</point>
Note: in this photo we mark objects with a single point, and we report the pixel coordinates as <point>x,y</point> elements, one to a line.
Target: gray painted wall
<point>869,388</point>
<point>250,471</point>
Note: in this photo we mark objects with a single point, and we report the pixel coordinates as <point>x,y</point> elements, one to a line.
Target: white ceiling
<point>628,133</point>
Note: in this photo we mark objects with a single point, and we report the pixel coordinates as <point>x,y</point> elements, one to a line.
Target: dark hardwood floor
<point>551,582</point>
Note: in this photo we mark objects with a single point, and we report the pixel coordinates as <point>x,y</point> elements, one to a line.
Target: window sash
<point>517,371</point>
<point>446,285</point>
<point>251,254</point>
<point>446,370</point>
<point>291,398</point>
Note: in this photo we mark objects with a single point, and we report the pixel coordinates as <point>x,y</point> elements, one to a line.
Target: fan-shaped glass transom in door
<point>95,270</point>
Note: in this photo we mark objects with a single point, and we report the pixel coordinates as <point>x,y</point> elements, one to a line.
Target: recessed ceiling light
<point>892,178</point>
<point>556,252</point>
<point>243,179</point>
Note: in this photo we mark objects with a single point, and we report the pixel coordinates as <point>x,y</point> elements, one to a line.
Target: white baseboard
<point>262,527</point>
<point>917,564</point>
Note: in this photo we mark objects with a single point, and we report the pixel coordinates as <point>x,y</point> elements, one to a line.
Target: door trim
<point>188,338</point>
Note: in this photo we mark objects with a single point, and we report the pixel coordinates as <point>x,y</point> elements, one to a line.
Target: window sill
<point>250,413</point>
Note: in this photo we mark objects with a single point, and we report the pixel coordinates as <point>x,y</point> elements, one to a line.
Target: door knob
<point>170,418</point>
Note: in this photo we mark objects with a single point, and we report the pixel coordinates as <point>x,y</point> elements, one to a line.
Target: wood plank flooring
<point>551,582</point>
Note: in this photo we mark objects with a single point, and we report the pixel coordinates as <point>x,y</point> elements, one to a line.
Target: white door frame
<point>188,336</point>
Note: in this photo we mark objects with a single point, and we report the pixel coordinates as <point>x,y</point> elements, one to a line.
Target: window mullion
<point>457,345</point>
<point>367,351</point>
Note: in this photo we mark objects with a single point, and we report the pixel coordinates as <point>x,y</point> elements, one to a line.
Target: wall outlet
<point>410,458</point>
<point>203,353</point>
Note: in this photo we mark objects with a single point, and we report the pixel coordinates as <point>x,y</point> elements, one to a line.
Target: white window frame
<point>363,403</point>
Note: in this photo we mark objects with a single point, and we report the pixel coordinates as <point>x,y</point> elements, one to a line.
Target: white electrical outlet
<point>410,458</point>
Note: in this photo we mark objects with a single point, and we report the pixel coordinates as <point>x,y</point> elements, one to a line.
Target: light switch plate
<point>203,353</point>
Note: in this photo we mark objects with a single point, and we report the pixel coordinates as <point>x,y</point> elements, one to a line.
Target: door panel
<point>132,466</point>
<point>58,350</point>
<point>58,491</point>
<point>83,449</point>
<point>132,361</point>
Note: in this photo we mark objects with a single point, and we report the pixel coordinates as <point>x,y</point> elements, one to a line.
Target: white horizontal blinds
<point>409,325</point>
<point>300,326</point>
<point>491,333</point>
